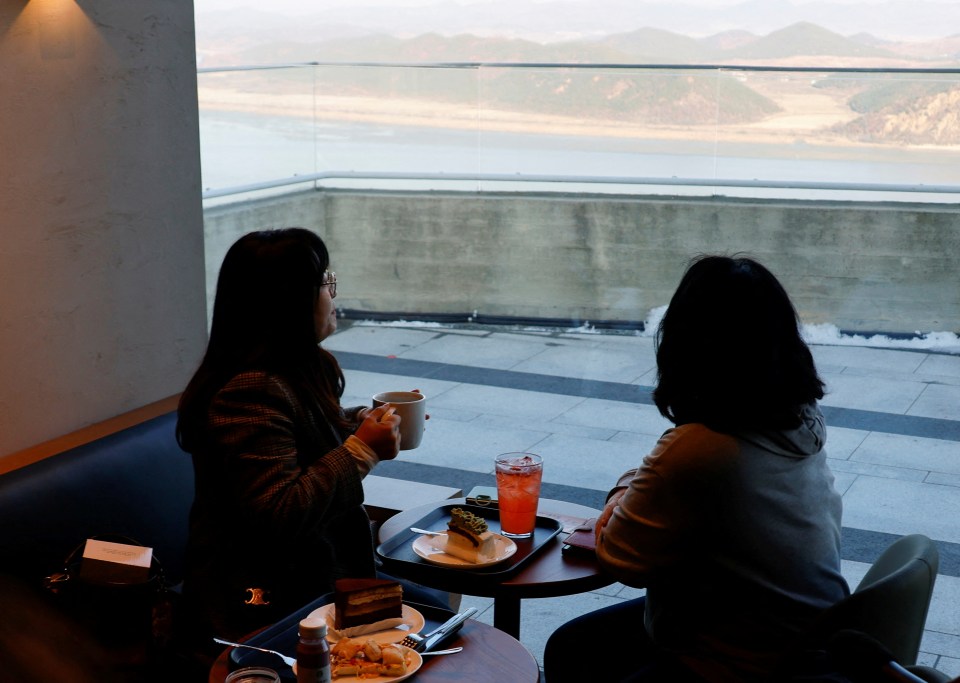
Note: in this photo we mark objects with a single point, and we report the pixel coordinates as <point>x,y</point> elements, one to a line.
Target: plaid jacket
<point>278,511</point>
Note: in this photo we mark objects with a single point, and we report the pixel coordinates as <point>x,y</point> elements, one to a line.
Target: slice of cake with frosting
<point>468,537</point>
<point>365,601</point>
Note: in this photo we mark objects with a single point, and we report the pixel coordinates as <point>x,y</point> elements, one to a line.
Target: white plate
<point>412,656</point>
<point>431,548</point>
<point>390,635</point>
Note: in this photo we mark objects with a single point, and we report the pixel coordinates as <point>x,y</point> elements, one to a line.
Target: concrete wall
<point>862,267</point>
<point>102,306</point>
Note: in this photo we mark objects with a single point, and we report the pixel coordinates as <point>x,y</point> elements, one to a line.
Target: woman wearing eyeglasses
<point>278,511</point>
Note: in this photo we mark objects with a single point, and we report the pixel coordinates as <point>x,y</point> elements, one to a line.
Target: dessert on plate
<point>365,601</point>
<point>468,537</point>
<point>352,657</point>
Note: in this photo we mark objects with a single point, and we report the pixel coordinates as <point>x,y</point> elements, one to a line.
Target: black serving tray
<point>398,550</point>
<point>283,636</point>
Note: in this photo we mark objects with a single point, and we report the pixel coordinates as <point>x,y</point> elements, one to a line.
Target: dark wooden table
<point>488,656</point>
<point>549,573</point>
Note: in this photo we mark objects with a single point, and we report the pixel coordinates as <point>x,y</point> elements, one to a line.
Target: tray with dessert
<point>468,539</point>
<point>364,606</point>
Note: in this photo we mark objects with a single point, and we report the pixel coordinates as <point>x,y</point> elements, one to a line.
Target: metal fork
<point>289,661</point>
<point>418,642</point>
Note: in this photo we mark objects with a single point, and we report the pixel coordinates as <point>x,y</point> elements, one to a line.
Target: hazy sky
<point>907,20</point>
<point>298,6</point>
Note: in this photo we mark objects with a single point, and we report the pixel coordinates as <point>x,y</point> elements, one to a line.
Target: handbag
<point>117,613</point>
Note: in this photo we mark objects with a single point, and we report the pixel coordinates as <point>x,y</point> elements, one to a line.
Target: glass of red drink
<point>518,491</point>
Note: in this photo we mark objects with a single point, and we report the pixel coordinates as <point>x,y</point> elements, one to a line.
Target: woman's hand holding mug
<point>380,430</point>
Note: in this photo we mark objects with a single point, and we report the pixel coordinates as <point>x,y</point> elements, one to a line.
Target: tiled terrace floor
<point>582,402</point>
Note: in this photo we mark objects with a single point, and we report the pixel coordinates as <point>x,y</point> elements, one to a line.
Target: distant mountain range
<point>801,44</point>
<point>889,25</point>
<point>916,111</point>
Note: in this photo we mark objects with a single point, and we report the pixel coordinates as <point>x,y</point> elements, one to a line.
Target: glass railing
<point>848,134</point>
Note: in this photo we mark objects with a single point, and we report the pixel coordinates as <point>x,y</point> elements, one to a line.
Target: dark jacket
<point>278,511</point>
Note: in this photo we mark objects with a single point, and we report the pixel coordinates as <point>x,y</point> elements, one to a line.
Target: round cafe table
<point>549,573</point>
<point>488,655</point>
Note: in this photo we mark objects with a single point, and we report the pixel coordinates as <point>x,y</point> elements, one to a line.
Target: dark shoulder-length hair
<point>264,319</point>
<point>729,350</point>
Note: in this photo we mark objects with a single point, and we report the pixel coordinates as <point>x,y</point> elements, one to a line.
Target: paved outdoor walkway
<point>582,401</point>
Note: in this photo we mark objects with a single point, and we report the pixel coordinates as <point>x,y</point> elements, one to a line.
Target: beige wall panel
<point>101,260</point>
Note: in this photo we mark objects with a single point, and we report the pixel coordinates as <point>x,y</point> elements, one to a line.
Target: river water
<point>239,149</point>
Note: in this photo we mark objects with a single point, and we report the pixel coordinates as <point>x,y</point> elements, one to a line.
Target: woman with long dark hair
<point>278,511</point>
<point>731,523</point>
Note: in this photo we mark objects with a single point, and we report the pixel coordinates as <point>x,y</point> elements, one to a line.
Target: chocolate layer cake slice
<point>365,601</point>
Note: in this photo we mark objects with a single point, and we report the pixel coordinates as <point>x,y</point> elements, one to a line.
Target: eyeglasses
<point>330,279</point>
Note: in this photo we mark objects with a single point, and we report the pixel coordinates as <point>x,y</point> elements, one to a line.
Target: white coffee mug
<point>412,409</point>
